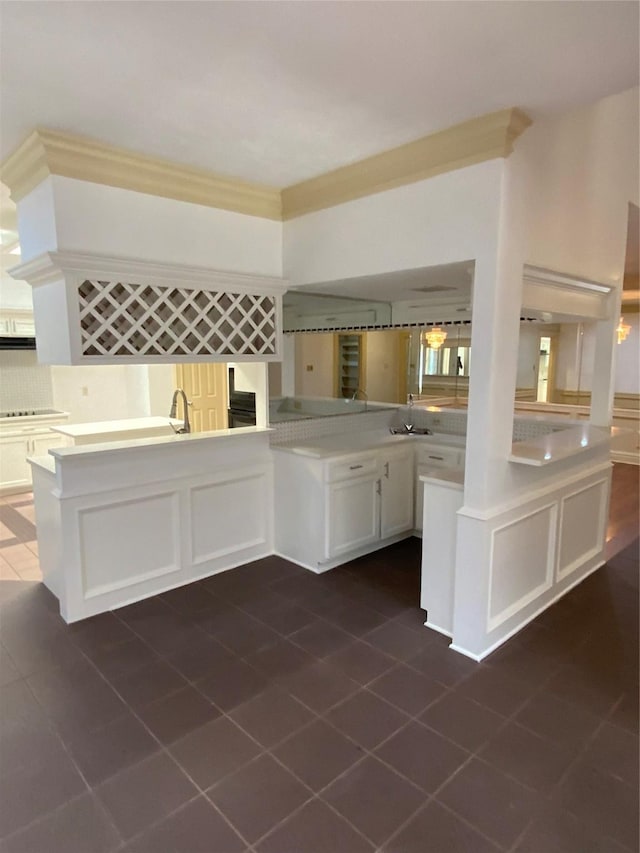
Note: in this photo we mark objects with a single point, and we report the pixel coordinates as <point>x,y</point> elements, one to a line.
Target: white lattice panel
<point>125,319</point>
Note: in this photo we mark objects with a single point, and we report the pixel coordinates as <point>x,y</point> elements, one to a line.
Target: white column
<point>495,337</point>
<point>604,367</point>
<point>289,365</point>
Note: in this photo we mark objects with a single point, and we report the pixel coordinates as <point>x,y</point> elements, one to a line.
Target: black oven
<point>242,409</point>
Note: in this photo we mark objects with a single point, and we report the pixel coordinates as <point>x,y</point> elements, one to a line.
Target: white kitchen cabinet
<point>41,443</point>
<point>331,509</point>
<point>16,323</point>
<point>352,514</point>
<point>15,472</point>
<point>17,442</point>
<point>428,458</point>
<point>396,492</point>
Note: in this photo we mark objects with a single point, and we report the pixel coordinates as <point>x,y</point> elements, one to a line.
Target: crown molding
<point>49,152</point>
<point>52,266</point>
<point>465,144</point>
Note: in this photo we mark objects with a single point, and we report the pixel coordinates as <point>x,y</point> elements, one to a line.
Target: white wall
<point>123,223</point>
<point>582,170</point>
<point>569,356</point>
<point>574,370</point>
<point>110,392</point>
<point>528,355</point>
<point>14,294</point>
<point>447,218</point>
<point>628,358</point>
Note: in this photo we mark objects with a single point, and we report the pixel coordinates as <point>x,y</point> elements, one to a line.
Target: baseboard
<point>492,648</point>
<point>625,457</point>
<point>437,628</point>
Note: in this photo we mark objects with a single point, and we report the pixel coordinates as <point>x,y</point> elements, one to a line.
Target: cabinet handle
<point>441,458</point>
<point>386,470</point>
<point>354,467</point>
<point>378,487</point>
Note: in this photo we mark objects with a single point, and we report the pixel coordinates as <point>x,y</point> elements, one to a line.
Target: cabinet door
<point>14,469</point>
<point>24,327</point>
<point>41,443</point>
<point>396,512</point>
<point>352,514</point>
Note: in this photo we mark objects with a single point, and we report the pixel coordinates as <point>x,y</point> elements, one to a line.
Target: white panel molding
<point>602,487</point>
<point>256,476</point>
<point>90,591</point>
<point>530,595</point>
<point>550,488</point>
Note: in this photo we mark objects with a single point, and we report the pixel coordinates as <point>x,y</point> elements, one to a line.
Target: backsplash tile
<point>24,382</point>
<point>442,421</point>
<point>316,427</point>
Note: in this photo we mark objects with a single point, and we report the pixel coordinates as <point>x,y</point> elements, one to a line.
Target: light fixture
<point>435,337</point>
<point>622,330</point>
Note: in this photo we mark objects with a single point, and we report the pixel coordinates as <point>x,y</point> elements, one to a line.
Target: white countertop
<point>345,443</point>
<point>123,425</point>
<point>160,442</point>
<point>452,478</point>
<point>47,463</point>
<point>562,444</point>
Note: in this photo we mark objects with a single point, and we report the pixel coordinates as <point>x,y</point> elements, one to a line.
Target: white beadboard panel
<point>582,526</point>
<point>151,547</point>
<point>238,505</point>
<point>513,583</point>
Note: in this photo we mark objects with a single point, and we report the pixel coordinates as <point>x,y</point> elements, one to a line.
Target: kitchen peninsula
<point>121,521</point>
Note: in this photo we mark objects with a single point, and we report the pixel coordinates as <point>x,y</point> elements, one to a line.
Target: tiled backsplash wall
<point>316,427</point>
<point>24,383</point>
<point>443,421</point>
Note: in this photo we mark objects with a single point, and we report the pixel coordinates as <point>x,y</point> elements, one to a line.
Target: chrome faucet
<point>408,418</point>
<point>186,426</point>
<point>360,391</point>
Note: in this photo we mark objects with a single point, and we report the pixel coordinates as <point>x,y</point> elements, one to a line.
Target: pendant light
<point>622,330</point>
<point>435,337</point>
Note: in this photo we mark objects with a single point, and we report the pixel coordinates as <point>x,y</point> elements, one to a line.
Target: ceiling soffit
<point>47,152</point>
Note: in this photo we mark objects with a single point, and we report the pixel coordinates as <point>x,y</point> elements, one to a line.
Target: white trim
<point>437,628</point>
<point>521,625</point>
<point>52,266</point>
<point>542,275</point>
<point>531,496</point>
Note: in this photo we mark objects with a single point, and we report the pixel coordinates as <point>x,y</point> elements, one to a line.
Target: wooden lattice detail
<point>124,319</point>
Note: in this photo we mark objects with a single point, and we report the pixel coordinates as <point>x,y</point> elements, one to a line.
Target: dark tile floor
<point>271,710</point>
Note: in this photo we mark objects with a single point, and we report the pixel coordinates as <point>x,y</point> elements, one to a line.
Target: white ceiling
<point>281,91</point>
<point>434,285</point>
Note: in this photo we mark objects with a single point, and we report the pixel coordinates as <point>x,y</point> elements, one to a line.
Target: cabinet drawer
<point>439,457</point>
<point>355,466</point>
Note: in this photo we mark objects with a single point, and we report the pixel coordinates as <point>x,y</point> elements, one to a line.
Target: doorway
<point>205,385</point>
<point>545,371</point>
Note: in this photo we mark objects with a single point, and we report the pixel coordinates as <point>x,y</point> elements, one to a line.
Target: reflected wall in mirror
<point>556,364</point>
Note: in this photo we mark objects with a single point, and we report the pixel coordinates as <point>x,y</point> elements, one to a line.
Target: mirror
<point>365,334</point>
